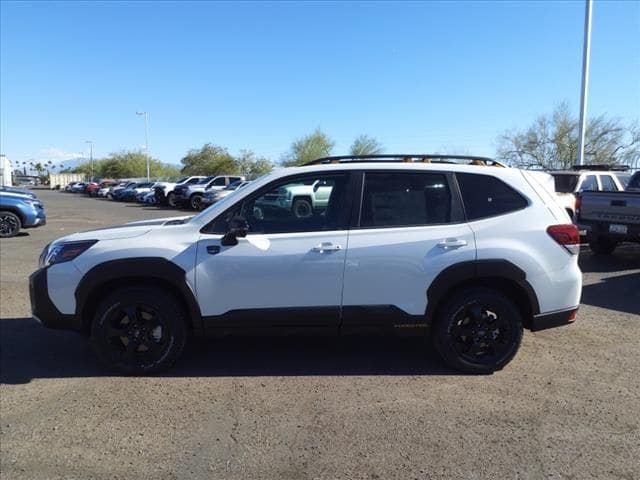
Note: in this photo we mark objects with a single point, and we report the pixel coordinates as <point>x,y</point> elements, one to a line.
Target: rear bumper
<point>601,229</point>
<point>43,309</point>
<point>544,321</point>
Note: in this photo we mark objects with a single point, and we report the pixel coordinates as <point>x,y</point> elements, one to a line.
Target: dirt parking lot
<point>567,407</point>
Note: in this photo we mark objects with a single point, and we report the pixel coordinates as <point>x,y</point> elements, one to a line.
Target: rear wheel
<point>478,330</point>
<point>10,224</point>
<point>139,330</point>
<point>302,208</point>
<point>602,246</point>
<point>196,201</point>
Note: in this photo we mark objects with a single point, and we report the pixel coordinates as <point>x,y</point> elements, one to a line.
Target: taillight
<point>578,203</point>
<point>567,236</point>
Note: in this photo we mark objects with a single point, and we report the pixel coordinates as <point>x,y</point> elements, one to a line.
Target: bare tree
<point>552,142</point>
<point>366,145</point>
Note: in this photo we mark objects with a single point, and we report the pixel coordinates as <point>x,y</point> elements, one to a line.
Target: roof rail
<point>601,167</point>
<point>408,158</point>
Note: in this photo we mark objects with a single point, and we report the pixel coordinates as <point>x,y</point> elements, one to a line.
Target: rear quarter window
<point>487,196</point>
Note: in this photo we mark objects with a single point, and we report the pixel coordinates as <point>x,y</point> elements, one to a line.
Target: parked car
<point>190,196</point>
<point>78,187</point>
<point>165,190</point>
<point>212,196</point>
<point>150,198</point>
<point>129,193</point>
<point>105,188</point>
<point>608,178</point>
<point>116,188</point>
<point>610,218</point>
<point>465,255</point>
<point>19,211</point>
<point>69,186</point>
<point>20,191</point>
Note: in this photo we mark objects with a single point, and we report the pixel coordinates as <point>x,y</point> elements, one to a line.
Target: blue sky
<point>420,77</point>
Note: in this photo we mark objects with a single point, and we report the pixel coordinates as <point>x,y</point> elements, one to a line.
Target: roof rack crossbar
<point>405,158</point>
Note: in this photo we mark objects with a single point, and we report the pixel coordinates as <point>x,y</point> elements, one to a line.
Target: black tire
<point>10,224</point>
<point>602,246</point>
<point>302,208</point>
<point>478,330</point>
<point>171,200</point>
<point>196,201</point>
<point>157,336</point>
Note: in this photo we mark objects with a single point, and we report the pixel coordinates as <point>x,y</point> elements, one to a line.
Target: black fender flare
<point>473,271</point>
<point>141,269</point>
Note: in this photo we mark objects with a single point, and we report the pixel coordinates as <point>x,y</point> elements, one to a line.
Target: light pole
<point>146,140</point>
<point>586,51</point>
<point>90,155</point>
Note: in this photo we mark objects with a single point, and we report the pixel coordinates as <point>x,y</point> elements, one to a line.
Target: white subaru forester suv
<point>429,245</point>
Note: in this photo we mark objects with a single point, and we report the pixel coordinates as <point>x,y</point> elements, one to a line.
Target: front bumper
<point>43,309</point>
<point>38,219</point>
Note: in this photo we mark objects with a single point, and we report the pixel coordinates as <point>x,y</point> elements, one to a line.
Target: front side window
<point>218,182</point>
<point>487,196</point>
<point>405,199</point>
<point>608,185</point>
<point>308,204</point>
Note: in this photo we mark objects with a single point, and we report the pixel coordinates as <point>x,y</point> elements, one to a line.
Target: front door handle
<point>327,247</point>
<point>450,243</point>
<point>213,249</point>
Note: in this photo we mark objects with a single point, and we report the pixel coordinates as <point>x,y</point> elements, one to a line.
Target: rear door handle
<point>213,249</point>
<point>452,243</point>
<point>326,247</point>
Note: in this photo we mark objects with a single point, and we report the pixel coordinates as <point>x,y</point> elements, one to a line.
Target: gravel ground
<point>568,406</point>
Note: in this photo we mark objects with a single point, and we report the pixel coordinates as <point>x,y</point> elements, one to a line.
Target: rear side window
<point>608,185</point>
<point>590,183</point>
<point>486,196</point>
<point>565,183</point>
<point>404,200</point>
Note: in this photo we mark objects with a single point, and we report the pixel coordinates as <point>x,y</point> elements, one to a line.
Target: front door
<point>288,271</point>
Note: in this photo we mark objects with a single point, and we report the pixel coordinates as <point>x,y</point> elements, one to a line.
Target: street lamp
<point>146,139</point>
<point>90,155</point>
<point>586,52</point>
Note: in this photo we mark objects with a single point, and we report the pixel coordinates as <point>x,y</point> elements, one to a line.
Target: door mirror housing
<point>238,228</point>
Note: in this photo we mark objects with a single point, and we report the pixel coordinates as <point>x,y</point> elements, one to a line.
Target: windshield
<point>182,179</point>
<point>565,182</point>
<point>205,180</point>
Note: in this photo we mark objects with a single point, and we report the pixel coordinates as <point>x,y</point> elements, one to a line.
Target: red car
<point>92,188</point>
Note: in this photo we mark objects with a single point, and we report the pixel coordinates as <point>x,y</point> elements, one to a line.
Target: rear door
<point>409,228</point>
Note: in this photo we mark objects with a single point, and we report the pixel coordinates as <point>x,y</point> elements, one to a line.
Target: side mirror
<point>238,228</point>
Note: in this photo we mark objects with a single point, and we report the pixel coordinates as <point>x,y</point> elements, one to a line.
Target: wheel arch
<point>500,275</point>
<point>16,211</point>
<point>147,271</point>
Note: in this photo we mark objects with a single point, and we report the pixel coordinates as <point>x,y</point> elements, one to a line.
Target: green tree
<point>308,148</point>
<point>128,164</point>
<point>366,145</point>
<point>552,142</point>
<point>252,166</point>
<point>209,160</point>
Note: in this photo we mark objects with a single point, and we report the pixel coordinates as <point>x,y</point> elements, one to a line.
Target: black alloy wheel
<point>139,331</point>
<point>478,331</point>
<point>10,224</point>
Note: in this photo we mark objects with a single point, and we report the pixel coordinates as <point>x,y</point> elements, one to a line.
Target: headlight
<point>64,252</point>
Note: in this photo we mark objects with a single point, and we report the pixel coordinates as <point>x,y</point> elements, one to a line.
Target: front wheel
<point>478,330</point>
<point>139,330</point>
<point>10,224</point>
<point>171,200</point>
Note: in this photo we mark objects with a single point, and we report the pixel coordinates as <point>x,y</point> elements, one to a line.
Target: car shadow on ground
<point>625,257</point>
<point>615,293</point>
<point>28,351</point>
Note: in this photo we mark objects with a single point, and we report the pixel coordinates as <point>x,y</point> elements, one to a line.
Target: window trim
<point>344,221</point>
<point>456,217</point>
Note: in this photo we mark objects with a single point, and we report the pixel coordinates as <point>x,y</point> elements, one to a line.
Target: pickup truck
<point>19,211</point>
<point>610,217</point>
<point>301,200</point>
<point>165,191</point>
<point>190,195</point>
